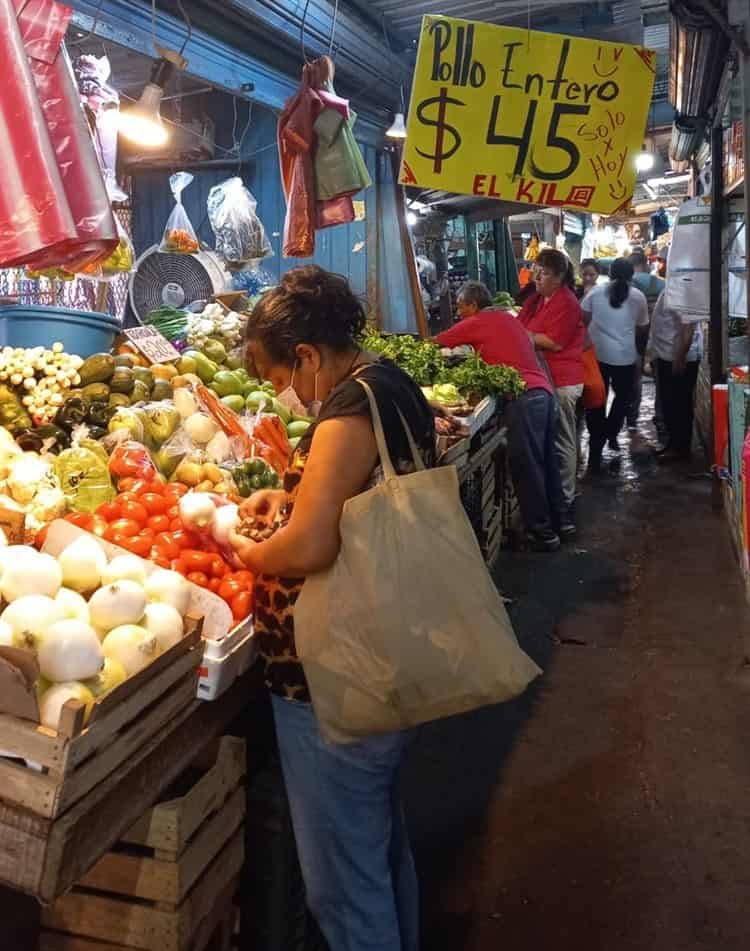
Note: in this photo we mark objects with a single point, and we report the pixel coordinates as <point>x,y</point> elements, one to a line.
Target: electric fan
<point>175,280</point>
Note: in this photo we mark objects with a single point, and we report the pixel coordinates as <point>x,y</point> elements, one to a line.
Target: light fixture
<point>411,218</point>
<point>672,180</point>
<point>142,123</point>
<point>644,161</point>
<point>398,128</point>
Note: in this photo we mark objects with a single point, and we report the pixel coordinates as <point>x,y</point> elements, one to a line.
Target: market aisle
<point>609,811</point>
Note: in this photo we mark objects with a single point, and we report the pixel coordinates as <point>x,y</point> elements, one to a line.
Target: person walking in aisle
<point>614,314</point>
<point>553,319</point>
<point>652,286</point>
<point>590,277</point>
<point>499,338</point>
<point>677,346</point>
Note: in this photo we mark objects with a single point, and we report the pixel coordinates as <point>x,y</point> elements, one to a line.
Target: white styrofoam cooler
<point>224,660</point>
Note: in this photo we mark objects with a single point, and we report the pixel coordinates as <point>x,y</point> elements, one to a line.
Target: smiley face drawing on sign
<point>617,190</point>
<point>606,64</point>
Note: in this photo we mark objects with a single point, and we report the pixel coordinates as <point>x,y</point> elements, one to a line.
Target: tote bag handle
<point>377,425</point>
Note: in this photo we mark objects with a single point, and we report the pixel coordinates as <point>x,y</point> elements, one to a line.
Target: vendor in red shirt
<point>553,319</point>
<point>499,338</point>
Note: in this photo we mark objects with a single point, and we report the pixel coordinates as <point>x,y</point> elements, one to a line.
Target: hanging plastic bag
<point>240,235</point>
<point>179,235</point>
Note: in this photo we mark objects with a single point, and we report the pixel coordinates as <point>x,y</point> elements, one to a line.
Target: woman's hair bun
<point>310,305</point>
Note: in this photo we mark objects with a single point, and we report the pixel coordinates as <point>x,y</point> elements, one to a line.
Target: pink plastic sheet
<point>65,213</point>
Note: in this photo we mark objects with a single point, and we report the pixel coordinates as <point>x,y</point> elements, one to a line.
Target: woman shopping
<point>553,319</point>
<point>615,313</point>
<point>353,847</point>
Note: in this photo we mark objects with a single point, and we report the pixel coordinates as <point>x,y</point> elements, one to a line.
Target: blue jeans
<point>351,838</point>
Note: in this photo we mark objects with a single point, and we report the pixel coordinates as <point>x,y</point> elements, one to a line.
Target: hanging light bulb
<point>142,123</point>
<point>398,128</point>
<point>411,218</point>
<point>644,161</point>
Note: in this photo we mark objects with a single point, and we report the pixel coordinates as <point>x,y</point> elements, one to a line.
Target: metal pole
<point>716,287</point>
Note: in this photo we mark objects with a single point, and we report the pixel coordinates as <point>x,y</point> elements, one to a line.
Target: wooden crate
<point>169,882</point>
<point>56,769</point>
<point>46,857</point>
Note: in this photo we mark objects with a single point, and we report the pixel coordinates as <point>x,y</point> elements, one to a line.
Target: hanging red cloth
<point>43,24</point>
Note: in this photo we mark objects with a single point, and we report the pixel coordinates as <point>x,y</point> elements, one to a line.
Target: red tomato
<point>199,578</point>
<point>41,536</point>
<point>158,559</point>
<point>124,497</point>
<point>159,523</point>
<point>125,527</point>
<point>109,511</point>
<point>140,486</point>
<point>175,490</point>
<point>173,512</point>
<point>135,511</point>
<point>99,526</point>
<point>242,605</point>
<point>219,567</point>
<point>229,589</point>
<point>245,578</point>
<point>83,520</point>
<point>185,539</point>
<point>140,545</point>
<point>175,524</point>
<point>213,585</point>
<point>174,564</point>
<point>125,484</point>
<point>196,560</point>
<point>122,541</point>
<point>210,546</point>
<point>155,503</point>
<point>167,545</point>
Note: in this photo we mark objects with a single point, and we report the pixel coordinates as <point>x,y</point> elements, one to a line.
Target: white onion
<point>132,646</point>
<point>124,568</point>
<point>39,574</point>
<point>6,634</point>
<point>70,650</point>
<point>73,604</point>
<point>30,617</point>
<point>165,623</point>
<point>120,603</point>
<point>168,587</point>
<point>197,511</point>
<point>82,563</point>
<point>110,676</point>
<point>227,519</point>
<point>54,699</point>
<point>13,552</point>
<point>184,402</point>
<point>200,428</point>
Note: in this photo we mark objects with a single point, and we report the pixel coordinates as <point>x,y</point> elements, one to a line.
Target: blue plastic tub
<point>81,332</point>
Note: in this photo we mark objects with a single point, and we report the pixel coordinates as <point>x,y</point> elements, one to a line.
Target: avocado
<point>124,360</point>
<point>226,383</point>
<point>144,375</point>
<point>256,399</point>
<point>97,369</point>
<point>96,393</point>
<point>119,399</point>
<point>296,429</point>
<point>162,390</point>
<point>234,402</point>
<point>205,368</point>
<point>122,381</point>
<point>140,392</point>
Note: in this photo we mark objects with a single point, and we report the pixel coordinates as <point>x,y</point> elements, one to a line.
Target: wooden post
<point>408,250</point>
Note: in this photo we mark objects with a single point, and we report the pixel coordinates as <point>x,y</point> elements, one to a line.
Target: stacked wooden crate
<point>169,883</point>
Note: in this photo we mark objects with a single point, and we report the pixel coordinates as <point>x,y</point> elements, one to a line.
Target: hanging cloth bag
<point>406,626</point>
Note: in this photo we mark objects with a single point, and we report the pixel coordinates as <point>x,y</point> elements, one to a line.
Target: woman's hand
<point>264,506</point>
<point>243,548</point>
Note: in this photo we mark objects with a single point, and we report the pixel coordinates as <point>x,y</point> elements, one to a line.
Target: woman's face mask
<point>290,398</point>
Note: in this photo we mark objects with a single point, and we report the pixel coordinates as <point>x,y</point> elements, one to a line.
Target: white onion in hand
<point>120,603</point>
<point>197,511</point>
<point>132,646</point>
<point>70,650</point>
<point>226,520</point>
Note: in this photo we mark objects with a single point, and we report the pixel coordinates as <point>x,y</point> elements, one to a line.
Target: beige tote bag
<point>406,626</point>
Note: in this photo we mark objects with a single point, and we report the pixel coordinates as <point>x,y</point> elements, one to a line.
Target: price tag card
<point>527,117</point>
<point>153,345</point>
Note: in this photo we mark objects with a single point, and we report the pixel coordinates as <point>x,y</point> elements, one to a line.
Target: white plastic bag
<point>179,235</point>
<point>240,235</point>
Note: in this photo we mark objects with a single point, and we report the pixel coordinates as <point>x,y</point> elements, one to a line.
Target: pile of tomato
<point>144,518</point>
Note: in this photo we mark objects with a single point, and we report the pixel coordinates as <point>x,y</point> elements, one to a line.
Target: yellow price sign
<point>524,116</point>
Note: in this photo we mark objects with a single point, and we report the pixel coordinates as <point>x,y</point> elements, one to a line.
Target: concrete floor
<point>609,809</point>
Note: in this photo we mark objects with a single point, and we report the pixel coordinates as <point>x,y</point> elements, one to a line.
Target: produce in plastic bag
<point>240,235</point>
<point>84,479</point>
<point>179,235</point>
<point>131,460</point>
<point>121,260</point>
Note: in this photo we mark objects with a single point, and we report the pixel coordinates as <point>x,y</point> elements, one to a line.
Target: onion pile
<point>91,622</point>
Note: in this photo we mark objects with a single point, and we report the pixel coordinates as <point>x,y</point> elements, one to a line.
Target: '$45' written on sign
<point>526,116</point>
